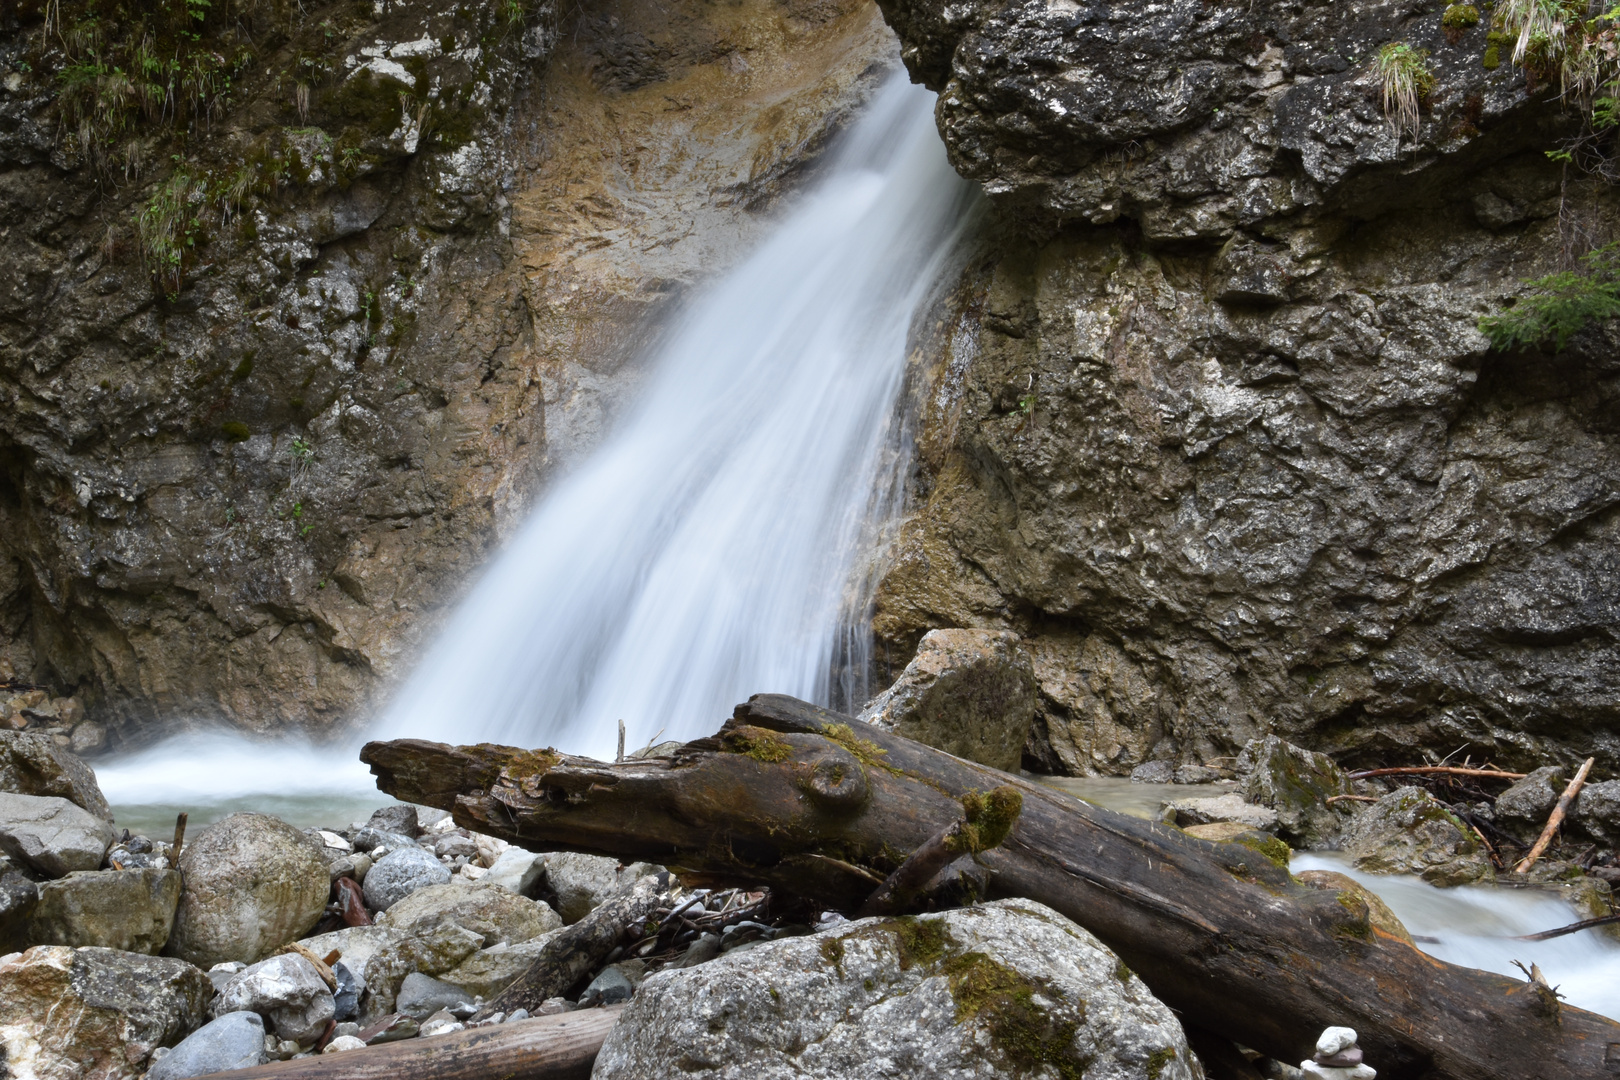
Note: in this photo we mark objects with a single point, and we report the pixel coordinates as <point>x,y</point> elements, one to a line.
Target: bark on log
<point>793,796</point>
<point>543,1048</point>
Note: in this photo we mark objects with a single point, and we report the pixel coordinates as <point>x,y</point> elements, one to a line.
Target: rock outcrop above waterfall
<point>1208,419</point>
<point>1193,120</point>
<point>415,249</point>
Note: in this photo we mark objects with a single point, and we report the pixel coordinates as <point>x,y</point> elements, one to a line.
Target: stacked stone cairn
<point>1337,1057</point>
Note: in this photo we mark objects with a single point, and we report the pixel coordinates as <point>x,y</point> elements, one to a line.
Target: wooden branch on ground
<point>1437,770</point>
<point>1584,924</point>
<point>1556,818</point>
<point>580,949</point>
<point>800,799</point>
<point>562,1047</point>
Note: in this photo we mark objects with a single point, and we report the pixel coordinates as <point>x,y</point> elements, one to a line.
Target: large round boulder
<point>252,884</point>
<point>1010,988</point>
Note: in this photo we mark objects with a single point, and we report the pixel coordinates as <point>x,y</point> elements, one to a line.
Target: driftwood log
<point>544,1048</point>
<point>792,796</point>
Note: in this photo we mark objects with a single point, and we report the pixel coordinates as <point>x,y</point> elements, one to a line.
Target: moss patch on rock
<point>1008,1005</point>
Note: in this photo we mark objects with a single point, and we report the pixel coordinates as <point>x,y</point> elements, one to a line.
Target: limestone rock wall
<point>1208,419</point>
<point>243,493</point>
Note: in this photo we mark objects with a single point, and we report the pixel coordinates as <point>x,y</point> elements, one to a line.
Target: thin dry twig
<point>1556,818</point>
<point>1437,770</point>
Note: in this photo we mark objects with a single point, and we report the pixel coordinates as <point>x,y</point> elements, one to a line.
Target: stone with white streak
<point>924,1000</point>
<point>288,992</point>
<point>94,1014</point>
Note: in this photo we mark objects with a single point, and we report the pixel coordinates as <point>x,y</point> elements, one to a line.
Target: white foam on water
<point>1475,926</point>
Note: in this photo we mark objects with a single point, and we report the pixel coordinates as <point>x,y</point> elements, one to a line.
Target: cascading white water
<point>702,552</point>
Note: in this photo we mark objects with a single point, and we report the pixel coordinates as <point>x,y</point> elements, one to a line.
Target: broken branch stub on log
<point>577,950</point>
<point>798,798</point>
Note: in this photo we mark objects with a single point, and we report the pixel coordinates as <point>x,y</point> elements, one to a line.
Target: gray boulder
<point>400,818</point>
<point>288,992</point>
<point>399,873</point>
<point>31,763</point>
<point>1597,812</point>
<point>440,949</point>
<point>132,910</point>
<point>1154,772</point>
<point>968,692</point>
<point>578,883</point>
<point>233,1041</point>
<point>517,871</point>
<point>51,834</point>
<point>1409,832</point>
<point>421,996</point>
<point>1521,811</point>
<point>1221,808</point>
<point>1296,783</point>
<point>952,995</point>
<point>489,971</point>
<point>95,1014</point>
<point>497,915</point>
<point>252,884</point>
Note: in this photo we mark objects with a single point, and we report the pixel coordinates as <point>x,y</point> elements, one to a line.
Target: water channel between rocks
<point>210,777</point>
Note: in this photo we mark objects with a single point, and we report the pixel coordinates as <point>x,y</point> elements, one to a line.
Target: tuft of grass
<point>1406,80</point>
<point>1559,305</point>
<point>167,227</point>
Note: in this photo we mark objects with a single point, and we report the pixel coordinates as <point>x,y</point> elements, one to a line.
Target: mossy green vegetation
<point>1271,847</point>
<point>865,751</point>
<point>987,818</point>
<point>921,941</point>
<point>1406,80</point>
<point>757,743</point>
<point>1556,307</point>
<point>235,431</point>
<point>1021,1028</point>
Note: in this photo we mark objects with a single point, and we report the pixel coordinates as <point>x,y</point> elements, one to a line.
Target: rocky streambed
<point>252,940</point>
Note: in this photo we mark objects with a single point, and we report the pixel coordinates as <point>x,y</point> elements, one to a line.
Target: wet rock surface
<point>968,692</point>
<point>1210,424</point>
<point>933,997</point>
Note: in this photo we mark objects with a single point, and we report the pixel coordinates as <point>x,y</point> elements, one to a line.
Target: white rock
<point>1335,1040</point>
<point>342,1043</point>
<point>288,992</point>
<point>1336,1072</point>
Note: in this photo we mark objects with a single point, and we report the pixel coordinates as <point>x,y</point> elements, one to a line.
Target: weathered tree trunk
<point>545,1048</point>
<point>792,796</point>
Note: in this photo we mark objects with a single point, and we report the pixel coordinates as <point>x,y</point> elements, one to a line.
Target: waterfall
<point>705,550</point>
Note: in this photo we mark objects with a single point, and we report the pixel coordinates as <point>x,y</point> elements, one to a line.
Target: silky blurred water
<point>711,547</point>
<point>1475,926</point>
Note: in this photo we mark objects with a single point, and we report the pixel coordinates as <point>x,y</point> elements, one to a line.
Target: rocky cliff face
<point>1209,421</point>
<point>276,372</point>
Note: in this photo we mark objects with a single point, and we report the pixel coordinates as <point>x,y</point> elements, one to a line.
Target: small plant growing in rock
<point>1458,19</point>
<point>1406,79</point>
<point>1559,305</point>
